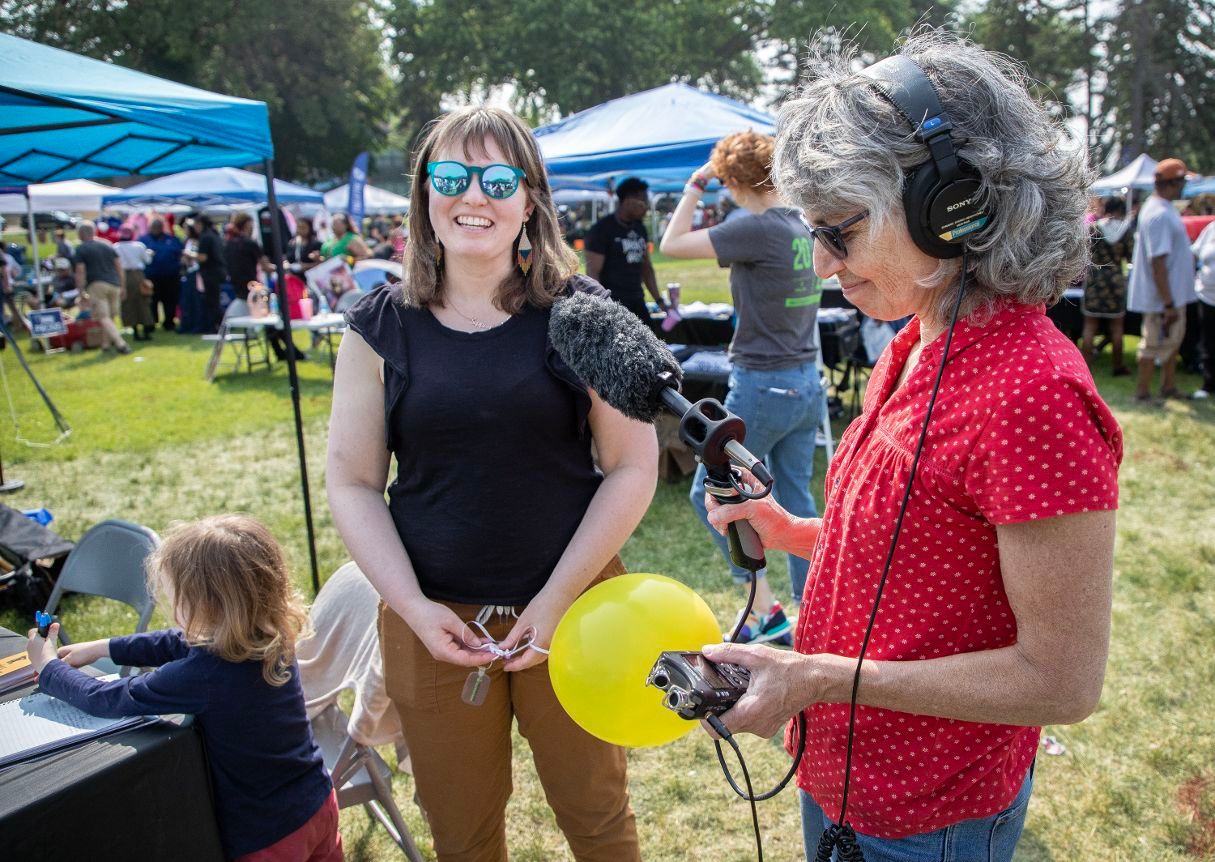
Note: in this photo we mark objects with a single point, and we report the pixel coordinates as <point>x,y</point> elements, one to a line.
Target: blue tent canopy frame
<point>660,135</point>
<point>63,117</point>
<point>210,187</point>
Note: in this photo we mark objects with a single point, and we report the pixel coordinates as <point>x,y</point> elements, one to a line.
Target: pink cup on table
<point>305,308</point>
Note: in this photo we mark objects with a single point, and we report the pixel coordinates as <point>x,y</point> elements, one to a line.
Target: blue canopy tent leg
<point>37,276</point>
<point>63,116</point>
<point>276,248</point>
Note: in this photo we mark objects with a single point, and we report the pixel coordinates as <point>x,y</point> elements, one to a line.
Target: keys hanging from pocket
<point>476,687</point>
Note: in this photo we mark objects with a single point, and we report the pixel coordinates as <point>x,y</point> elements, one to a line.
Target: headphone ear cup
<point>920,186</point>
<point>942,217</point>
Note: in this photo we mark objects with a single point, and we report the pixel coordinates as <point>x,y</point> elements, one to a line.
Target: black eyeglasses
<point>832,236</point>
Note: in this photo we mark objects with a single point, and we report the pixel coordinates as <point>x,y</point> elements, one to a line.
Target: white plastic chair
<point>361,777</point>
<point>343,653</point>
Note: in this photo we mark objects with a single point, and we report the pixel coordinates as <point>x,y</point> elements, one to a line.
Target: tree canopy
<point>316,63</point>
<point>341,76</point>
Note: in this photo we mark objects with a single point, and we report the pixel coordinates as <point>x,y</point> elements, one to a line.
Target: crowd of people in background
<point>1169,254</point>
<point>184,274</point>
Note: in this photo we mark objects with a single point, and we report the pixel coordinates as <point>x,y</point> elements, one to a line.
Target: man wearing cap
<point>1162,281</point>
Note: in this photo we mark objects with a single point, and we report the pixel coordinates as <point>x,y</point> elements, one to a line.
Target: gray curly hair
<point>842,148</point>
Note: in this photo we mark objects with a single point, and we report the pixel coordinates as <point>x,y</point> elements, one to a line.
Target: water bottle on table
<point>673,316</point>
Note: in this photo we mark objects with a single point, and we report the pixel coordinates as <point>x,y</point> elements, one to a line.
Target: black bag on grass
<point>31,557</point>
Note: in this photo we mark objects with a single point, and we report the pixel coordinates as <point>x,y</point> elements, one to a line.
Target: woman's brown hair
<point>553,262</point>
<point>231,591</point>
<point>744,160</point>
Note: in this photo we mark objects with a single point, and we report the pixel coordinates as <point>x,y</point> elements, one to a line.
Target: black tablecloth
<point>138,794</point>
<point>1065,313</point>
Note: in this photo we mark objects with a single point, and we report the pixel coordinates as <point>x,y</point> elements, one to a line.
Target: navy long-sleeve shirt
<point>266,769</point>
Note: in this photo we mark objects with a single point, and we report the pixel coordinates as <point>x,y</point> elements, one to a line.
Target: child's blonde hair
<point>228,582</point>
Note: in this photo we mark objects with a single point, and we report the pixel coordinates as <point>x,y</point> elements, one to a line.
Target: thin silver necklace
<point>473,320</point>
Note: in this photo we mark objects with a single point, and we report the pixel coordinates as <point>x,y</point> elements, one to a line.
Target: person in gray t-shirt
<point>99,277</point>
<point>774,384</point>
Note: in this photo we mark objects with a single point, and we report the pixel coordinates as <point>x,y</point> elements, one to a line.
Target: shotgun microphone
<point>615,354</point>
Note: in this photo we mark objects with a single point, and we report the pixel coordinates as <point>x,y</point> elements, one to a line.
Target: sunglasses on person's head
<point>832,236</point>
<point>453,178</point>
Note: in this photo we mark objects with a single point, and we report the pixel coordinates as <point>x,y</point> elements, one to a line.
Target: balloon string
<point>495,647</point>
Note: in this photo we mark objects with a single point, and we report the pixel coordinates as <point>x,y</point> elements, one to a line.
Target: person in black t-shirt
<point>304,249</point>
<point>210,259</point>
<point>618,250</point>
<point>453,374</point>
<point>244,256</point>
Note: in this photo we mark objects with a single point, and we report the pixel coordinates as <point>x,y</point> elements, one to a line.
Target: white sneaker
<point>1200,395</point>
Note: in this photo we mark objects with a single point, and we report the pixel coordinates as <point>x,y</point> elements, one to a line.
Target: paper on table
<point>15,672</point>
<point>37,723</point>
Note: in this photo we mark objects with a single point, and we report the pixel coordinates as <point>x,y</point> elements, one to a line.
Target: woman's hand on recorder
<point>783,683</point>
<point>777,529</point>
<point>535,626</point>
<point>445,635</point>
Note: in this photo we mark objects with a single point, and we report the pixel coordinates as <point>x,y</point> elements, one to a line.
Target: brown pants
<point>136,308</point>
<point>462,754</point>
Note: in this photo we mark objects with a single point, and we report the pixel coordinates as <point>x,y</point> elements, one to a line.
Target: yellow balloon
<point>607,642</point>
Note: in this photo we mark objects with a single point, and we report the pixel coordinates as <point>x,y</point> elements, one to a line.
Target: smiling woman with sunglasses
<point>498,517</point>
<point>959,589</point>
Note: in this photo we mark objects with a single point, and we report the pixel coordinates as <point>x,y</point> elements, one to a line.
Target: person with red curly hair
<point>774,383</point>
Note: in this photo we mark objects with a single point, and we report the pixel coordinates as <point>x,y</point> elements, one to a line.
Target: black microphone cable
<point>842,836</point>
<point>724,733</point>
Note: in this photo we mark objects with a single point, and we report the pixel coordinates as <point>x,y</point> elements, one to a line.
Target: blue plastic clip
<point>43,622</point>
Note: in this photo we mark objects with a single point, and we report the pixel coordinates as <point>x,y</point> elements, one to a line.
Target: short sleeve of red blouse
<point>1051,447</point>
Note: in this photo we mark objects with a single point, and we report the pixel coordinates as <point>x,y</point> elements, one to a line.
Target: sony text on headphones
<point>941,195</point>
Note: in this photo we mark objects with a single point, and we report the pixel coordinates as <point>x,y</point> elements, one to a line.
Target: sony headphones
<point>941,195</point>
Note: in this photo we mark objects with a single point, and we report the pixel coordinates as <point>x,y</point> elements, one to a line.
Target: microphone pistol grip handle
<point>746,550</point>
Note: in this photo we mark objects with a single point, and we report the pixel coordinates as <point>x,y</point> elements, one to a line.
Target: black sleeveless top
<point>493,448</point>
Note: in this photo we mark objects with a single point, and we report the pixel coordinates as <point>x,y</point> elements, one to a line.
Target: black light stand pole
<point>276,243</point>
<point>7,334</point>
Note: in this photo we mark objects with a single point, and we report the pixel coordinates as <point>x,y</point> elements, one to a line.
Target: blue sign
<point>47,322</point>
<point>358,180</point>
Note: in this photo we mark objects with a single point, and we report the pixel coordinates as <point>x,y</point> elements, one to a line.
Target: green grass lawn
<point>153,443</point>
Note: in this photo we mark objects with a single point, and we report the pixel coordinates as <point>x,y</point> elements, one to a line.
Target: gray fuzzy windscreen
<point>613,352</point>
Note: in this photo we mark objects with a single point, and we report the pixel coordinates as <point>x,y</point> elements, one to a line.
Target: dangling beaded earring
<point>524,257</point>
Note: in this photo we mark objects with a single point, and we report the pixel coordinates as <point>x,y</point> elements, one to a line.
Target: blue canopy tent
<point>210,187</point>
<point>660,135</point>
<point>63,117</point>
<point>1199,186</point>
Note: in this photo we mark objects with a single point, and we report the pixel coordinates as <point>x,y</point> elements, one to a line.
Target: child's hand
<point>42,650</point>
<point>78,655</point>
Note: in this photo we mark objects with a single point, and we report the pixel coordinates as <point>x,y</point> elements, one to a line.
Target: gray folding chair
<point>108,561</point>
<point>361,777</point>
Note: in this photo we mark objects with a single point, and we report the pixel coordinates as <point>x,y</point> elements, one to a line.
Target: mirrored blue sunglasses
<point>453,178</point>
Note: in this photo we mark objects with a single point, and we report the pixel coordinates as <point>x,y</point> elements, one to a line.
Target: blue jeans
<point>783,410</point>
<point>987,839</point>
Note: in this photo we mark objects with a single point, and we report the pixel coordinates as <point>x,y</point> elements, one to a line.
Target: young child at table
<point>232,666</point>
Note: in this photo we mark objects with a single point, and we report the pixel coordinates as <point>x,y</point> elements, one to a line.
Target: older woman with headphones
<point>960,578</point>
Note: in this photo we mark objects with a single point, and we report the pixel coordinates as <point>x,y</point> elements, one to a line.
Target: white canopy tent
<point>376,201</point>
<point>78,196</point>
<point>1139,174</point>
